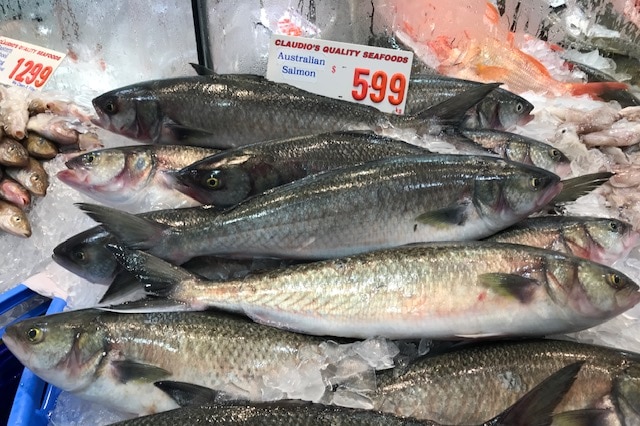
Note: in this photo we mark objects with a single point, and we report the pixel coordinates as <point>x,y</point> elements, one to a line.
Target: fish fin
<point>588,417</point>
<point>184,133</point>
<point>185,394</point>
<point>124,284</point>
<point>134,231</point>
<point>454,110</point>
<point>454,215</point>
<point>159,276</point>
<point>489,72</point>
<point>514,285</point>
<point>145,306</point>
<point>127,371</point>
<point>576,187</point>
<point>201,69</point>
<point>595,88</point>
<point>536,406</point>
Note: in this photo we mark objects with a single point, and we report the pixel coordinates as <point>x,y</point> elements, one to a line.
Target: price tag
<point>362,74</point>
<point>26,65</point>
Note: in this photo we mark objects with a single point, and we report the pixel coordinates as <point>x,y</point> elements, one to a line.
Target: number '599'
<point>32,73</point>
<point>379,84</point>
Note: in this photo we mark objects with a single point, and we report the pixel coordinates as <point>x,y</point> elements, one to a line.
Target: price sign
<point>26,65</point>
<point>362,74</point>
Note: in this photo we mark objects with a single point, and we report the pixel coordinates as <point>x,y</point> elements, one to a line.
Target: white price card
<point>26,65</point>
<point>362,74</point>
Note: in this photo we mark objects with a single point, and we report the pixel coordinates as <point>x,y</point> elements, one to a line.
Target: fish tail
<point>133,231</point>
<point>536,406</point>
<point>596,88</point>
<point>576,187</point>
<point>160,277</point>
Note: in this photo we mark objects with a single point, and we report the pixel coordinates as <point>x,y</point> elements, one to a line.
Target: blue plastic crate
<point>34,399</point>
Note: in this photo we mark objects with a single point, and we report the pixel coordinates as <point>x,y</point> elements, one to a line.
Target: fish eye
<point>35,335</point>
<point>613,226</point>
<point>554,153</point>
<point>614,280</point>
<point>17,219</point>
<point>110,107</point>
<point>79,255</point>
<point>535,182</point>
<point>89,158</point>
<point>35,178</point>
<point>11,148</point>
<point>519,107</point>
<point>213,182</point>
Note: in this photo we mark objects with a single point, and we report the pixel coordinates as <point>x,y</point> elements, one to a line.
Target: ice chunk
<point>72,411</point>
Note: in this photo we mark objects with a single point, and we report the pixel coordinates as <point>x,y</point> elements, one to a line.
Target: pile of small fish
<point>32,130</point>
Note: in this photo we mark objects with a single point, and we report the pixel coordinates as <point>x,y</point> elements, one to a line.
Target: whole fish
<point>121,175</point>
<point>15,193</point>
<point>521,149</point>
<point>602,240</point>
<point>434,291</point>
<point>85,254</point>
<point>33,177</point>
<point>471,384</point>
<point>535,408</point>
<point>379,204</point>
<point>40,147</point>
<point>226,111</point>
<point>234,175</point>
<point>54,128</point>
<point>114,359</point>
<point>12,153</point>
<point>501,109</point>
<point>14,221</point>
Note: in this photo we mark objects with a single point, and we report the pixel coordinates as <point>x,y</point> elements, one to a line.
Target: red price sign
<point>376,86</point>
<point>30,72</point>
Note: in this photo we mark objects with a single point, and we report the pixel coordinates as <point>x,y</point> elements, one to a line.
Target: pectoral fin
<point>185,394</point>
<point>512,285</point>
<point>454,215</point>
<point>127,371</point>
<point>184,133</point>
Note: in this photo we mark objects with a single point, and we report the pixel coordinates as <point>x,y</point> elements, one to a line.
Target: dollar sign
<point>333,69</point>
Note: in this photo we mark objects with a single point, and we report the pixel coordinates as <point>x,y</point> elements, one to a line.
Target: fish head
<point>503,111</point>
<point>85,254</point>
<point>220,185</point>
<point>15,193</point>
<point>40,146</point>
<point>13,154</point>
<point>131,111</point>
<point>538,154</point>
<point>513,193</point>
<point>63,349</point>
<point>626,393</point>
<point>37,180</point>
<point>610,240</point>
<point>112,174</point>
<point>14,220</point>
<point>597,291</point>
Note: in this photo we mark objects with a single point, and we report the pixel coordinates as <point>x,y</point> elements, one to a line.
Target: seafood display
<point>242,251</point>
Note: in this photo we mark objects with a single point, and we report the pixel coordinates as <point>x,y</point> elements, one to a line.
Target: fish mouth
<point>627,298</point>
<point>73,178</point>
<point>525,119</point>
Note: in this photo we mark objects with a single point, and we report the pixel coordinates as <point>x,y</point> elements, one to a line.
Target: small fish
<point>121,175</point>
<point>33,177</point>
<point>521,149</point>
<point>13,111</point>
<point>14,220</point>
<point>379,204</point>
<point>114,359</point>
<point>13,192</point>
<point>54,128</point>
<point>40,147</point>
<point>601,240</point>
<point>12,153</point>
<point>452,388</point>
<point>227,111</point>
<point>232,176</point>
<point>535,408</point>
<point>433,291</point>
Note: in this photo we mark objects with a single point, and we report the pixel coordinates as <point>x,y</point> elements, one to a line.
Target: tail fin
<point>536,406</point>
<point>576,187</point>
<point>133,231</point>
<point>595,89</point>
<point>592,417</point>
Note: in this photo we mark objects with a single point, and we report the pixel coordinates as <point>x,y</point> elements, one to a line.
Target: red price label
<point>30,72</point>
<point>378,85</point>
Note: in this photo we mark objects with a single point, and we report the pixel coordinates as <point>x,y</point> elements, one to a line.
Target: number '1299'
<point>32,73</point>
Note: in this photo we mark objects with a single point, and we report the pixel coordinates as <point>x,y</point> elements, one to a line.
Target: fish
<point>521,149</point>
<point>378,204</point>
<point>227,111</point>
<point>12,153</point>
<point>13,192</point>
<point>40,147</point>
<point>85,254</point>
<point>13,111</point>
<point>433,291</point>
<point>500,109</point>
<point>602,240</point>
<point>33,177</point>
<point>535,408</point>
<point>124,174</point>
<point>14,221</point>
<point>232,176</point>
<point>114,359</point>
<point>623,97</point>
<point>54,128</point>
<point>476,382</point>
